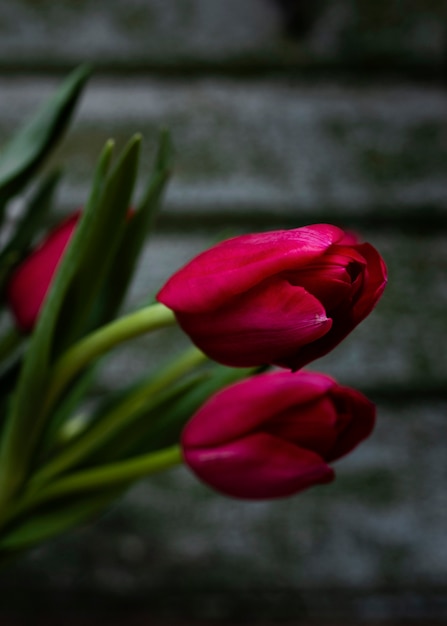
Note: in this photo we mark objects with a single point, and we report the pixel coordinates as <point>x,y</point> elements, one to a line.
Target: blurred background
<point>283,113</point>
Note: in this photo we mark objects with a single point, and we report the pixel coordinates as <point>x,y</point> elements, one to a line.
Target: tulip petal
<point>357,416</point>
<point>241,408</point>
<point>334,278</point>
<point>30,282</point>
<point>366,291</point>
<point>373,284</point>
<point>312,425</point>
<point>271,322</point>
<point>258,466</point>
<point>236,265</point>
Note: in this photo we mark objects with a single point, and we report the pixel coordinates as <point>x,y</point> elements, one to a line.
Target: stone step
<point>267,150</point>
<point>239,36</point>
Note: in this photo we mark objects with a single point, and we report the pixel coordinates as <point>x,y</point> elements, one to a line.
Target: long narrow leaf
<point>27,150</point>
<point>139,420</point>
<point>24,421</point>
<point>37,207</point>
<point>101,243</point>
<point>165,430</point>
<point>67,307</point>
<point>51,521</point>
<point>137,230</point>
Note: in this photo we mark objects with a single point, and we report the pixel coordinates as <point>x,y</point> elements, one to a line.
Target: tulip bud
<point>30,281</point>
<point>274,434</point>
<point>280,298</point>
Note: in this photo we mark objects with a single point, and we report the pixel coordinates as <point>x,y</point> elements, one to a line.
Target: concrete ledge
<point>209,34</point>
<point>266,148</point>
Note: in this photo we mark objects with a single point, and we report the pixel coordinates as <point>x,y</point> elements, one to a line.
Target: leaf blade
<point>31,145</point>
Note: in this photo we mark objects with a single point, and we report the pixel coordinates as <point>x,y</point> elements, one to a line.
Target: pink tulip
<point>284,297</point>
<point>273,435</point>
<point>29,282</point>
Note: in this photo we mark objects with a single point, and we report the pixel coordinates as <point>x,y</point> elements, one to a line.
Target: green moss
<point>392,563</point>
<point>417,151</point>
<point>421,154</point>
<point>373,487</point>
<point>337,129</point>
<point>385,30</point>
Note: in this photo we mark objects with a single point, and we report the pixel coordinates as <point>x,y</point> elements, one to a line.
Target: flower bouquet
<point>236,407</point>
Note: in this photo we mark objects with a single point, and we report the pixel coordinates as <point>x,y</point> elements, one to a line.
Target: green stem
<point>71,363</point>
<point>108,476</point>
<point>95,436</point>
<point>101,341</point>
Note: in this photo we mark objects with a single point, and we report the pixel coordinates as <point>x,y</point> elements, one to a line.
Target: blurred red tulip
<point>29,282</point>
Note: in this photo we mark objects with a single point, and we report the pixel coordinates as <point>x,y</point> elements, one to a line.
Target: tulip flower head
<point>30,281</point>
<point>281,298</point>
<point>273,435</point>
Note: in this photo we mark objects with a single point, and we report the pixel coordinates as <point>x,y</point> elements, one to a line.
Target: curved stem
<point>71,363</point>
<point>105,477</point>
<point>101,341</point>
<point>93,437</point>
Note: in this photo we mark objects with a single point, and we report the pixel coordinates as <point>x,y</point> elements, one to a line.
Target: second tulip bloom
<point>273,435</point>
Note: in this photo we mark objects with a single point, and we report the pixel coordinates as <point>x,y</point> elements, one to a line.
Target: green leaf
<point>126,437</point>
<point>100,246</point>
<point>9,375</point>
<point>67,308</point>
<point>54,433</point>
<point>136,232</point>
<point>37,207</point>
<point>30,146</point>
<point>158,423</point>
<point>26,417</point>
<point>166,430</point>
<point>107,428</point>
<point>93,437</point>
<point>51,521</point>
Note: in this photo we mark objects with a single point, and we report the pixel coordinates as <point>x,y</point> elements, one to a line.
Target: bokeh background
<point>282,113</point>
